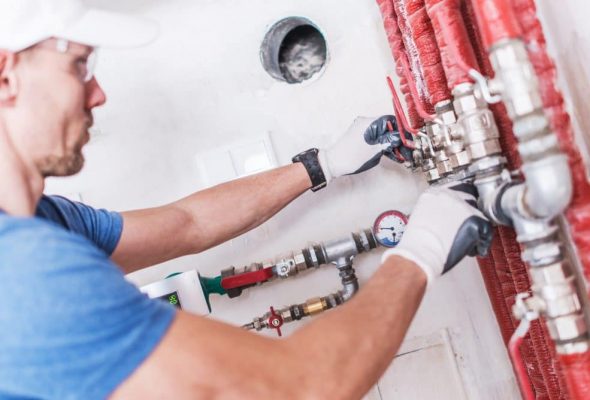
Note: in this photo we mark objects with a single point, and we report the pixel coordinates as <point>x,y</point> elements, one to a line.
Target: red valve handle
<point>247,278</point>
<point>275,321</point>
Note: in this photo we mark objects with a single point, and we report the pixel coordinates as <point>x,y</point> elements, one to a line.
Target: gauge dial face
<point>389,228</point>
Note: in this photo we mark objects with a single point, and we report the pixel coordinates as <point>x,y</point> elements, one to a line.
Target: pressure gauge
<point>389,227</point>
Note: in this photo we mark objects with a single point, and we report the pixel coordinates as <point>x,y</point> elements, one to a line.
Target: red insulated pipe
<point>428,55</point>
<point>496,20</point>
<point>507,140</point>
<point>452,38</point>
<point>413,55</point>
<point>506,271</point>
<point>390,23</point>
<point>542,375</point>
<point>519,367</point>
<point>425,115</point>
<point>507,323</point>
<point>415,121</point>
<point>578,214</point>
<point>537,351</point>
<point>494,288</point>
<point>576,368</point>
<point>400,116</point>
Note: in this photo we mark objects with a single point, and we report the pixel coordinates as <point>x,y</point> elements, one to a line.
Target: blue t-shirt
<point>71,326</point>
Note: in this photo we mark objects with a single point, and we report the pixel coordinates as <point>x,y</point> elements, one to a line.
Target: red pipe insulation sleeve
<point>496,21</point>
<point>541,372</point>
<point>537,351</point>
<point>413,57</point>
<point>494,288</point>
<point>578,214</point>
<point>390,23</point>
<point>414,118</point>
<point>504,272</point>
<point>503,122</point>
<point>576,368</point>
<point>429,57</point>
<point>519,367</point>
<point>446,17</point>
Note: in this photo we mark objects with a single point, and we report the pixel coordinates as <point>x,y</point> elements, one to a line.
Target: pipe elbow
<point>548,187</point>
<point>349,290</point>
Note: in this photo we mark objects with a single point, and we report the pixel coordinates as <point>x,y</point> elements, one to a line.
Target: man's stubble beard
<point>66,165</point>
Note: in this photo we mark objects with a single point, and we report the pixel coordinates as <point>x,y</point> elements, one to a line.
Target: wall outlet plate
<point>236,160</point>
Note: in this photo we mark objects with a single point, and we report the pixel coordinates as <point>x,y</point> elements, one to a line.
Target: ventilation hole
<point>293,50</point>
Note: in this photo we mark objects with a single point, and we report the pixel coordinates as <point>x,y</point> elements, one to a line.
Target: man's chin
<point>65,166</point>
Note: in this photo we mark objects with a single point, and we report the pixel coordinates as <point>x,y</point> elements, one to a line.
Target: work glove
<point>363,146</point>
<point>444,227</point>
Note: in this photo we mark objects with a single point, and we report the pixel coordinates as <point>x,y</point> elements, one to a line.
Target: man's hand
<point>362,147</point>
<point>384,130</point>
<point>444,227</point>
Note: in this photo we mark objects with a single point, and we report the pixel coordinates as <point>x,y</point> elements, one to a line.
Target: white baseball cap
<point>24,23</point>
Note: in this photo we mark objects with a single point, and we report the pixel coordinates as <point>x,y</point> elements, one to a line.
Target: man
<point>72,327</point>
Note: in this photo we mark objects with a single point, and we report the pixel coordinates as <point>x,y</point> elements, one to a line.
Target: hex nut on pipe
<point>549,275</point>
<point>566,328</point>
<point>562,306</point>
<point>519,85</point>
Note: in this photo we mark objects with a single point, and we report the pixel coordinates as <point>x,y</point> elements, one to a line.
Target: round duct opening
<point>293,50</point>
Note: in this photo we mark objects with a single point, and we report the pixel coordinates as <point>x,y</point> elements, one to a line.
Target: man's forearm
<point>207,218</point>
<point>370,328</point>
<point>340,355</point>
<point>228,210</point>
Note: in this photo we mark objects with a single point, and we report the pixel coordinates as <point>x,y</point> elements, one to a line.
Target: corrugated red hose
<point>429,57</point>
<point>412,53</point>
<point>398,50</point>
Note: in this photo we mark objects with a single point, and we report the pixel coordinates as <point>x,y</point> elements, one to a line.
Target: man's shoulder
<point>73,317</point>
<point>38,239</point>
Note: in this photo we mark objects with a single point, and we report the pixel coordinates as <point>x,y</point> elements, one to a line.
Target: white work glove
<point>444,227</point>
<point>363,145</point>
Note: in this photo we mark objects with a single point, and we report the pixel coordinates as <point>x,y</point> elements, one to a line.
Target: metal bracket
<point>526,307</point>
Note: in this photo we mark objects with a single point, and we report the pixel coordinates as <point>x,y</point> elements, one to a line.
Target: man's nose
<point>95,96</point>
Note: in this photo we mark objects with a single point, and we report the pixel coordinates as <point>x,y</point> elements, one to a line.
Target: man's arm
<point>206,218</point>
<point>338,356</point>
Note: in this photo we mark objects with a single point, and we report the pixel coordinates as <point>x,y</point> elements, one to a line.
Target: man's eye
<point>80,66</point>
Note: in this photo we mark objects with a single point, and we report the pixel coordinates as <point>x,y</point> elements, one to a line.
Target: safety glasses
<point>84,65</point>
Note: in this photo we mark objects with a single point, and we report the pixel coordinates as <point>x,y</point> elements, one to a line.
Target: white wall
<point>567,31</point>
<point>200,86</point>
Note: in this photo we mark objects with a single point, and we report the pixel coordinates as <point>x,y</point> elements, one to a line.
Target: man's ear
<point>8,80</point>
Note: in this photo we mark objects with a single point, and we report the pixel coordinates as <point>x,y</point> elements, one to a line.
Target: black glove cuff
<point>309,159</point>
